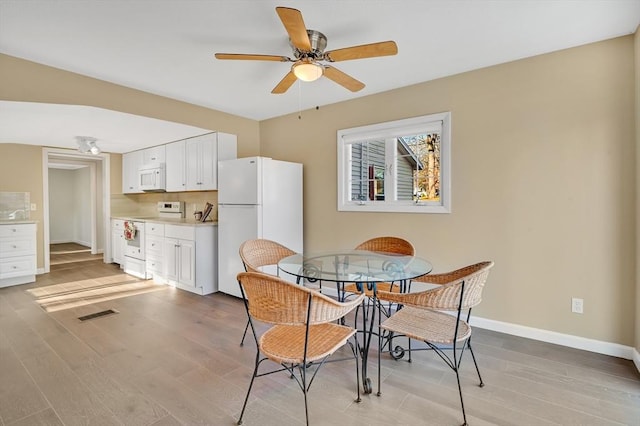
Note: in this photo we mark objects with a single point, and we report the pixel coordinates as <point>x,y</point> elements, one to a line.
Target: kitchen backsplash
<point>15,205</point>
<point>146,204</point>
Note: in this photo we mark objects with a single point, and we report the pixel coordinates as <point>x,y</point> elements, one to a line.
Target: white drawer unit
<point>153,246</point>
<point>152,228</point>
<point>17,253</point>
<point>20,246</point>
<point>154,251</point>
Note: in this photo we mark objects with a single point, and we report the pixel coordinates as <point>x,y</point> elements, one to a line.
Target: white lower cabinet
<point>187,259</point>
<point>180,262</point>
<point>117,241</point>
<point>17,254</point>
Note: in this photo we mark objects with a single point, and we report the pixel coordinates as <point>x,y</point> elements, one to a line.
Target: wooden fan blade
<point>294,24</point>
<point>285,83</point>
<point>343,79</point>
<point>383,48</point>
<point>251,57</point>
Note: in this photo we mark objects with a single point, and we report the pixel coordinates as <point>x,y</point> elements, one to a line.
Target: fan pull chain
<point>299,100</point>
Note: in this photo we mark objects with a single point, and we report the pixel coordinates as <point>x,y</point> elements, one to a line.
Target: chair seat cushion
<point>285,343</point>
<point>352,288</point>
<point>426,325</point>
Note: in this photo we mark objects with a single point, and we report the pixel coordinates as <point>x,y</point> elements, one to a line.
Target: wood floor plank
<point>184,404</point>
<point>129,404</point>
<point>74,403</point>
<point>45,417</point>
<point>173,358</point>
<point>19,395</point>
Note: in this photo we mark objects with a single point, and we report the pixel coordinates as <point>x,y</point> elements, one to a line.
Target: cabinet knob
<point>14,230</point>
<point>15,246</point>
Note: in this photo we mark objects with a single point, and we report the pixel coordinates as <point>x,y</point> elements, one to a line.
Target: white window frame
<point>392,129</point>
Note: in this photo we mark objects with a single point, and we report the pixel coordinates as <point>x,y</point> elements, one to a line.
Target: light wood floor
<point>173,358</point>
<point>70,253</point>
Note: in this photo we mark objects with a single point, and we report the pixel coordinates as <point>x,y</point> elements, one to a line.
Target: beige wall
<point>27,81</point>
<point>543,184</point>
<point>637,115</point>
<point>21,171</point>
<point>544,176</point>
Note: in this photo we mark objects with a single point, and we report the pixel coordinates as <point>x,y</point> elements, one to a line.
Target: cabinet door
<point>175,167</point>
<point>131,162</point>
<point>155,154</point>
<point>187,261</point>
<point>209,163</point>
<point>170,257</point>
<point>202,163</point>
<point>117,247</point>
<point>193,164</point>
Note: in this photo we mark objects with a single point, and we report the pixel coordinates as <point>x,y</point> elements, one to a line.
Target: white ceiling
<point>58,125</point>
<point>166,47</point>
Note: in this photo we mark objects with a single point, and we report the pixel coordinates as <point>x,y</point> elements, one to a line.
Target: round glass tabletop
<point>359,266</point>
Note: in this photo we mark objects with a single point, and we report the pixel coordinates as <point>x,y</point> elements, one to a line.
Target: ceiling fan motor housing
<point>318,43</point>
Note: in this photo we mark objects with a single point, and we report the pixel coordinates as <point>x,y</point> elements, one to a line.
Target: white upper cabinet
<point>175,167</point>
<point>131,162</point>
<point>155,154</point>
<point>190,164</point>
<point>202,154</point>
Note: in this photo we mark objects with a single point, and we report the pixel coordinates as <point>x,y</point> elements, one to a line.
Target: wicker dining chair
<point>391,245</point>
<point>304,332</point>
<point>260,253</point>
<point>423,317</point>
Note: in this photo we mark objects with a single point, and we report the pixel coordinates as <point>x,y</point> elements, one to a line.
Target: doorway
<point>76,198</point>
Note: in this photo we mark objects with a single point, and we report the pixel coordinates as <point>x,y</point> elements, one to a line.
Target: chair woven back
<point>276,301</point>
<point>447,296</point>
<point>393,245</point>
<point>260,252</point>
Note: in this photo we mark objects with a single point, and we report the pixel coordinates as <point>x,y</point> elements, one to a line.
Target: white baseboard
<point>598,346</point>
<point>40,271</point>
<point>60,241</point>
<point>636,358</point>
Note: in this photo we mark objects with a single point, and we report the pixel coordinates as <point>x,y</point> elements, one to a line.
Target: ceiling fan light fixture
<point>307,70</point>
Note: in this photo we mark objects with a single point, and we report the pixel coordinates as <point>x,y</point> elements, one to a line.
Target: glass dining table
<point>363,268</point>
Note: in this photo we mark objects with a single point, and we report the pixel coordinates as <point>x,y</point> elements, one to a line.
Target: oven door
<point>135,246</point>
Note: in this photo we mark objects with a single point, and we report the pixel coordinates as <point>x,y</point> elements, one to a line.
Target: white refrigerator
<point>258,197</point>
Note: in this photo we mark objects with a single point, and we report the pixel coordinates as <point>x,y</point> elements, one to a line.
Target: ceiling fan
<point>308,51</point>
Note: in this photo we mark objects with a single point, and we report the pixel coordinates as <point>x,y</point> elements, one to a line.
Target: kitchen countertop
<point>183,221</point>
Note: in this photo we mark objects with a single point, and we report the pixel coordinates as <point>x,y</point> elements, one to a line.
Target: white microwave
<point>152,177</point>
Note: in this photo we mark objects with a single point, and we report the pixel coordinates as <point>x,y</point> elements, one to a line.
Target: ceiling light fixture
<point>87,145</point>
<point>307,70</point>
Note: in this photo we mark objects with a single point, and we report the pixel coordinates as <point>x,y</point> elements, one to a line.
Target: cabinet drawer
<point>180,232</point>
<point>156,229</point>
<point>17,247</point>
<point>132,251</point>
<point>17,266</point>
<point>18,230</point>
<point>153,246</point>
<point>117,225</point>
<point>154,265</point>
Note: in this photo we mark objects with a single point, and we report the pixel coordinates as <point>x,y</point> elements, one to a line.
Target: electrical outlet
<point>577,305</point>
<point>33,207</point>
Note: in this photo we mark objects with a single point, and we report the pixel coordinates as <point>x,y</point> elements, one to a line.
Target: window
<point>398,166</point>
